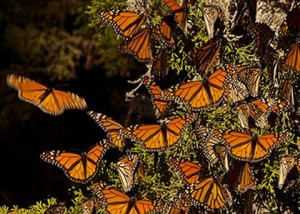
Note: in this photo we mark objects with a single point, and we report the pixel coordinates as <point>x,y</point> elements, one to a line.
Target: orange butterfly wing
<point>165,29</point>
<point>210,192</point>
<point>189,171</point>
<point>139,45</point>
<point>213,146</point>
<point>117,202</point>
<point>49,100</point>
<point>124,23</point>
<point>241,177</point>
<point>162,106</point>
<point>80,168</point>
<point>292,58</point>
<point>207,56</point>
<point>246,148</point>
<point>160,66</point>
<point>155,137</point>
<point>90,205</point>
<point>179,11</point>
<point>111,127</point>
<point>196,94</point>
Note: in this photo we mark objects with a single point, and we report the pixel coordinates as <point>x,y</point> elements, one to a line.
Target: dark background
<point>26,131</point>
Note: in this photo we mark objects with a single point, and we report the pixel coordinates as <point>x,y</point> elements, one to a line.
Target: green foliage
<point>161,182</point>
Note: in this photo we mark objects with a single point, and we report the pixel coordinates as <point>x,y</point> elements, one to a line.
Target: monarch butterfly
<point>165,30</point>
<point>48,99</point>
<point>201,94</point>
<point>287,93</point>
<point>213,146</point>
<point>80,168</point>
<point>291,59</point>
<point>111,127</point>
<point>244,82</point>
<point>117,202</point>
<point>179,11</point>
<point>160,105</point>
<point>127,168</point>
<point>207,55</point>
<point>88,206</point>
<point>160,65</point>
<point>124,23</point>
<point>262,35</point>
<point>260,110</point>
<point>210,192</point>
<point>251,147</point>
<point>211,14</point>
<point>56,209</point>
<point>189,171</point>
<point>181,204</point>
<point>288,171</point>
<point>156,137</point>
<point>241,177</point>
<point>140,45</point>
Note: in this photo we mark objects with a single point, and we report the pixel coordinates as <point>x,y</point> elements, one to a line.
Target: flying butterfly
<point>128,168</point>
<point>79,168</point>
<point>117,202</point>
<point>251,147</point>
<point>199,94</point>
<point>124,23</point>
<point>140,45</point>
<point>241,177</point>
<point>189,171</point>
<point>160,105</point>
<point>210,192</point>
<point>48,99</point>
<point>110,126</point>
<point>156,137</point>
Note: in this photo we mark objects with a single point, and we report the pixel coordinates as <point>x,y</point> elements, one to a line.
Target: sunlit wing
<point>155,137</point>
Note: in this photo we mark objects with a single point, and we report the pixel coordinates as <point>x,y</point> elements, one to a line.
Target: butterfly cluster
<point>215,131</point>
